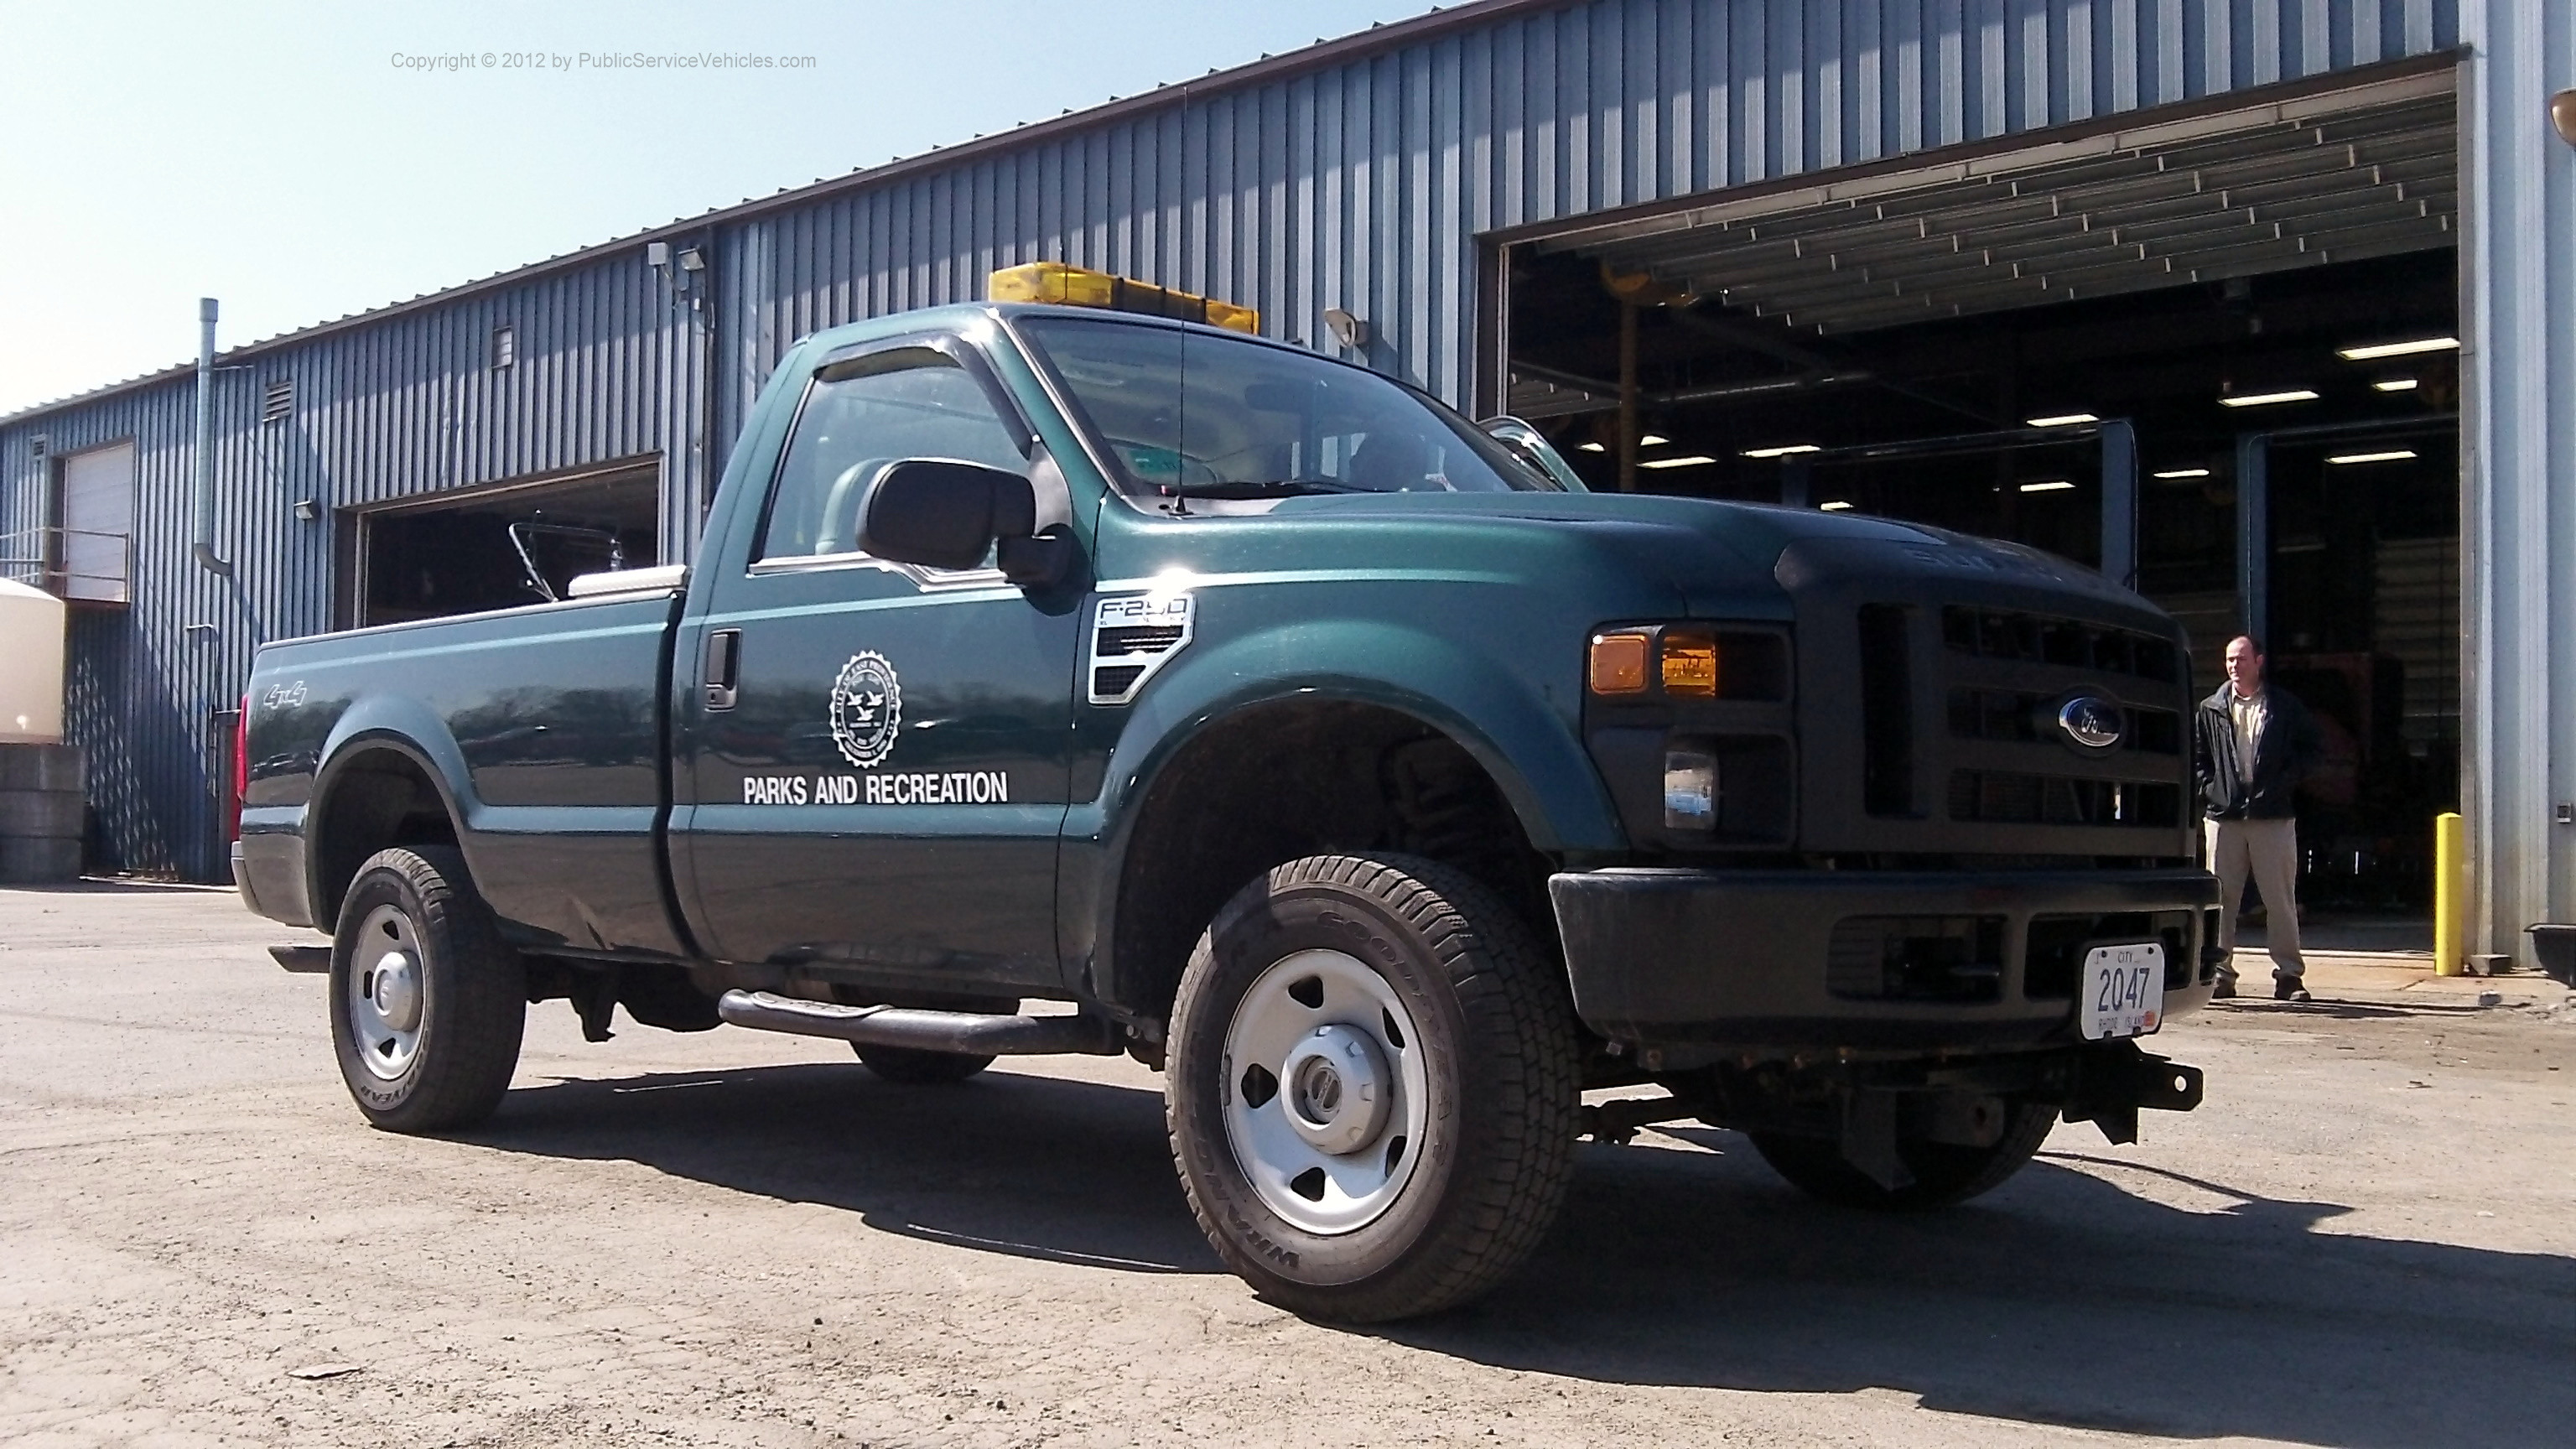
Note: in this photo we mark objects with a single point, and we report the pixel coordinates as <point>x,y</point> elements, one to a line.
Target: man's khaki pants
<point>2269,851</point>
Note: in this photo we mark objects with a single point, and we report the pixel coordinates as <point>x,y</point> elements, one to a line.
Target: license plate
<point>2124,991</point>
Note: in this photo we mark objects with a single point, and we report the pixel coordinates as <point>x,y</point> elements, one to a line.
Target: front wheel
<point>1944,1173</point>
<point>1373,1087</point>
<point>427,1002</point>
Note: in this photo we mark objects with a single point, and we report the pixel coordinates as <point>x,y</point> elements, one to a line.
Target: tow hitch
<point>2114,1080</point>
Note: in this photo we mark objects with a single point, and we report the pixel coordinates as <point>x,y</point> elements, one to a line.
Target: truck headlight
<point>1690,790</point>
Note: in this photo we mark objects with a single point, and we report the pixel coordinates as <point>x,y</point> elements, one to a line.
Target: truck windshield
<point>1189,414</point>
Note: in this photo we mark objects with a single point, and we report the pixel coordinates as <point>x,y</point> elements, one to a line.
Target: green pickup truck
<point>1253,714</point>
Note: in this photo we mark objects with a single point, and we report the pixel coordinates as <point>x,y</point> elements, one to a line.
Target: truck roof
<point>954,315</point>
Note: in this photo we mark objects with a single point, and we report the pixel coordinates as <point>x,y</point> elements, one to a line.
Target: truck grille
<point>2008,798</point>
<point>2011,714</point>
<point>1935,683</point>
<point>1887,711</point>
<point>2039,638</point>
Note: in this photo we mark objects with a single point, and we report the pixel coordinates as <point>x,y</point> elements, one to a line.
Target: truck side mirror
<point>944,513</point>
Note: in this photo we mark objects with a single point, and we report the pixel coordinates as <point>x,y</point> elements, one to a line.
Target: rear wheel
<point>1944,1173</point>
<point>1372,1088</point>
<point>427,1002</point>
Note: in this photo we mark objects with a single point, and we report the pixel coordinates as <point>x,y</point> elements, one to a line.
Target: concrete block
<point>41,767</point>
<point>37,862</point>
<point>40,815</point>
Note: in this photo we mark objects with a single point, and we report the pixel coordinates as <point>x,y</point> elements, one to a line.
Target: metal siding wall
<point>2518,447</point>
<point>1361,184</point>
<point>1364,184</point>
<point>401,407</point>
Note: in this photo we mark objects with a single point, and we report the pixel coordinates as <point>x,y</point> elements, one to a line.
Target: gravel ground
<point>2366,1237</point>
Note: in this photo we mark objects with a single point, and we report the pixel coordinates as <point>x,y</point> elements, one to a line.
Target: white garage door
<point>98,524</point>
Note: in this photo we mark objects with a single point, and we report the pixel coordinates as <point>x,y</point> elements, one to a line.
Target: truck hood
<point>1720,557</point>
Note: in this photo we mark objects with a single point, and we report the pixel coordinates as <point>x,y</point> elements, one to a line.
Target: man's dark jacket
<point>2285,749</point>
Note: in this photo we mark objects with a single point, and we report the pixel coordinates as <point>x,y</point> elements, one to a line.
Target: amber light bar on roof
<point>1070,286</point>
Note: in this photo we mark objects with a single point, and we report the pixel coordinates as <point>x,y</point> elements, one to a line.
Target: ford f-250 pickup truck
<point>1347,762</point>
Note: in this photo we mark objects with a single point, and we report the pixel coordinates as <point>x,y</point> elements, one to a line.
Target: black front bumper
<point>1791,959</point>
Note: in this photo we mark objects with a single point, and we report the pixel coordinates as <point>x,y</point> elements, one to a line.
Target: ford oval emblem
<point>2092,722</point>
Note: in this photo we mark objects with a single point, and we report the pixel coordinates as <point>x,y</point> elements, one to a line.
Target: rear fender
<point>388,723</point>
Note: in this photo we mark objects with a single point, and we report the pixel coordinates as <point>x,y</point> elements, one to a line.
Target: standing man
<point>2254,742</point>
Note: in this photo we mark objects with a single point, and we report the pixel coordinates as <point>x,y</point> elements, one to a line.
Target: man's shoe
<point>2289,988</point>
<point>2225,989</point>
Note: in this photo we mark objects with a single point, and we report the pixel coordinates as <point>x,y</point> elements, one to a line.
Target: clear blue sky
<point>276,156</point>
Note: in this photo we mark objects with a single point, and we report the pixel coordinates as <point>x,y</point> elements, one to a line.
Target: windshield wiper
<point>1256,488</point>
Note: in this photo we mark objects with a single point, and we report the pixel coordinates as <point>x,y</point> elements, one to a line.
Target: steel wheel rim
<point>387,992</point>
<point>1326,1030</point>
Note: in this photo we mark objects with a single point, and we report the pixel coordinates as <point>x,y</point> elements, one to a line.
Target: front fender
<point>1522,737</point>
<point>1506,721</point>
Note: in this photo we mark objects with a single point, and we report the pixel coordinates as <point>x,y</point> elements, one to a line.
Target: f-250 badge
<point>867,709</point>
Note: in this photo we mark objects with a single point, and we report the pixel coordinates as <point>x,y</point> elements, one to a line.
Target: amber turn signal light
<point>1690,665</point>
<point>1618,664</point>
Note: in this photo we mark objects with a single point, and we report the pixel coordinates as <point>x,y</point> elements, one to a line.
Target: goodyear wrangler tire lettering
<point>1376,1135</point>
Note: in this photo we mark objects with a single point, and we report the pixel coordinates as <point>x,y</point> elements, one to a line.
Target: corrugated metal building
<point>1393,174</point>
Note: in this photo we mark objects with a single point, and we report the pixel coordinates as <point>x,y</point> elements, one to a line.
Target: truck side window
<point>907,402</point>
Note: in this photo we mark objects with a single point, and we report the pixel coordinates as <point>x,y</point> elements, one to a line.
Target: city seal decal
<point>867,709</point>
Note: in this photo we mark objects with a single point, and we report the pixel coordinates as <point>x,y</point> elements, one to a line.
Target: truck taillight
<point>241,762</point>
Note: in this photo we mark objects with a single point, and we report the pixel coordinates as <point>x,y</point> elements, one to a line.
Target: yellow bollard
<point>2450,894</point>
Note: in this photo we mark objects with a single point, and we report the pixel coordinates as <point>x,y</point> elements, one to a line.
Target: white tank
<point>31,666</point>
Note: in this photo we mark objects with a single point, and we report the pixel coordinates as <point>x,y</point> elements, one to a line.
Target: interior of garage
<point>498,547</point>
<point>2213,355</point>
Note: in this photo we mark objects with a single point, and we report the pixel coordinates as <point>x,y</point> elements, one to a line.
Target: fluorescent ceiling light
<point>1593,447</point>
<point>2397,384</point>
<point>2184,473</point>
<point>1693,461</point>
<point>1836,506</point>
<point>2054,485</point>
<point>2265,399</point>
<point>1653,440</point>
<point>1782,451</point>
<point>2393,455</point>
<point>2398,349</point>
<point>2064,420</point>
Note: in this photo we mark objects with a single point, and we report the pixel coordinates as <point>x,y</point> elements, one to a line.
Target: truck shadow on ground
<point>2091,1292</point>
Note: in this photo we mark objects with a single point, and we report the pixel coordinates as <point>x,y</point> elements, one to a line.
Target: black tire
<point>1498,1054</point>
<point>914,1067</point>
<point>471,999</point>
<point>1944,1173</point>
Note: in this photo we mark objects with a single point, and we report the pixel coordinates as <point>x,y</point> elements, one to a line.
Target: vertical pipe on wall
<point>202,545</point>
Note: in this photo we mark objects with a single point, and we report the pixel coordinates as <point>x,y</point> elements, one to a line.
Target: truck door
<point>882,781</point>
